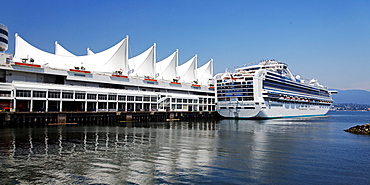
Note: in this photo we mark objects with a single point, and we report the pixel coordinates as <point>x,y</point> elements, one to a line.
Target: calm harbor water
<point>312,150</point>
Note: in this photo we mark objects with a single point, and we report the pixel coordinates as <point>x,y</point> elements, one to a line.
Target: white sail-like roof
<point>186,71</point>
<point>118,59</point>
<point>89,52</point>
<point>166,68</point>
<point>60,50</point>
<point>143,64</point>
<point>204,73</point>
<point>112,59</point>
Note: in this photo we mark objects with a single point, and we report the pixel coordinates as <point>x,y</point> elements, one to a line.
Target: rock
<point>360,129</point>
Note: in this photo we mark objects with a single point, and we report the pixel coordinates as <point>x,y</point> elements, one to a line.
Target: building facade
<point>34,80</point>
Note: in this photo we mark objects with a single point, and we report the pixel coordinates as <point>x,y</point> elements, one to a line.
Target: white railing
<point>161,99</point>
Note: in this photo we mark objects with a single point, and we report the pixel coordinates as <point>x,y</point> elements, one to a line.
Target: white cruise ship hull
<point>287,110</point>
<point>238,113</point>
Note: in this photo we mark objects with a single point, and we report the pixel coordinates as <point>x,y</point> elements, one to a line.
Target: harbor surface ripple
<point>279,151</point>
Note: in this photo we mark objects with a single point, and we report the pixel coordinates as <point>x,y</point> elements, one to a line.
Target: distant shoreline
<point>352,110</point>
<point>350,107</point>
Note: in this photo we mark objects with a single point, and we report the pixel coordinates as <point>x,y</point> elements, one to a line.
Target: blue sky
<point>324,39</point>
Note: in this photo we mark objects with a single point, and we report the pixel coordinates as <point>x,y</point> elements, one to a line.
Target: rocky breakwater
<point>360,129</point>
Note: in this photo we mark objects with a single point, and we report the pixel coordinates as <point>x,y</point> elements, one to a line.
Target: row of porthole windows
<point>237,107</point>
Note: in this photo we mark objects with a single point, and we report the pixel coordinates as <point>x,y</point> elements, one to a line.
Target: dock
<point>40,119</point>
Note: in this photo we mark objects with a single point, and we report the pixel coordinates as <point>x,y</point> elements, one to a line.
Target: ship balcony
<point>234,91</point>
<point>235,95</point>
<point>235,86</point>
<point>228,99</point>
<point>231,93</point>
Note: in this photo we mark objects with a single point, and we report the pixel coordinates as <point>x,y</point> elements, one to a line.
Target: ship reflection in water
<point>228,151</point>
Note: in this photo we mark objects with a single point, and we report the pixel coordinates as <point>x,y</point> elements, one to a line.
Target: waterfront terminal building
<point>37,81</point>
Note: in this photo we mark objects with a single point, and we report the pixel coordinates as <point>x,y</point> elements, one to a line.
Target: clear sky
<point>324,39</point>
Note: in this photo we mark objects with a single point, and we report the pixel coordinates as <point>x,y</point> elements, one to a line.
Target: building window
<point>122,98</point>
<point>102,97</point>
<point>23,93</point>
<point>130,98</point>
<point>80,96</point>
<point>179,106</point>
<point>138,98</point>
<point>146,98</point>
<point>54,94</point>
<point>91,96</point>
<point>67,95</point>
<point>179,100</point>
<point>39,94</point>
<point>5,93</point>
<point>190,101</point>
<point>153,99</point>
<point>112,97</point>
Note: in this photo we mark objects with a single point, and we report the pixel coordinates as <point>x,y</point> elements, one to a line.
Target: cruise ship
<point>108,81</point>
<point>269,90</point>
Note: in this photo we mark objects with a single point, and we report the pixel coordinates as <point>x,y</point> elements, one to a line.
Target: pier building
<point>109,81</point>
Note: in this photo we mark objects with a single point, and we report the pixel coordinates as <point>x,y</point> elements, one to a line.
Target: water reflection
<point>158,153</point>
<point>228,151</point>
<point>46,141</point>
<point>104,154</point>
<point>255,149</point>
<point>13,147</point>
<point>60,138</point>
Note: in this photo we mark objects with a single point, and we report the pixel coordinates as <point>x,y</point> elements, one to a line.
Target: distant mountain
<point>352,96</point>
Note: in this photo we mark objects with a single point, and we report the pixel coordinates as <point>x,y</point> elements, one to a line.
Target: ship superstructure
<point>270,90</point>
